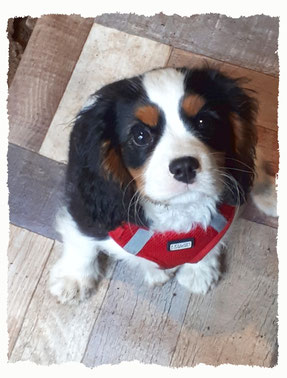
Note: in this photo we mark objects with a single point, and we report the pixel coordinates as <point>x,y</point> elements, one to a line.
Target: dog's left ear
<point>240,163</point>
<point>99,187</point>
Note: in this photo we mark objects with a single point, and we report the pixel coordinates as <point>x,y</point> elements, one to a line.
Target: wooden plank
<point>108,55</point>
<point>36,186</point>
<point>266,86</point>
<point>27,256</point>
<point>250,42</point>
<point>268,145</point>
<point>53,333</point>
<point>237,322</point>
<point>137,322</point>
<point>42,76</point>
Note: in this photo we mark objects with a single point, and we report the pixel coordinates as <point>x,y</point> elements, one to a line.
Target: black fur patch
<point>214,125</point>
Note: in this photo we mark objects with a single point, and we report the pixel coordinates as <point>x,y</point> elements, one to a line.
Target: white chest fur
<point>181,216</point>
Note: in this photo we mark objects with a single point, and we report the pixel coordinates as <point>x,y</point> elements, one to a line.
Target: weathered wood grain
<point>249,42</point>
<point>53,333</point>
<point>108,55</point>
<point>265,86</point>
<point>42,76</point>
<point>237,322</point>
<point>269,146</point>
<point>27,256</point>
<point>36,185</point>
<point>137,322</point>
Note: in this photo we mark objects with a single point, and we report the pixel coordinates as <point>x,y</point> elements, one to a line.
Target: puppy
<point>158,166</point>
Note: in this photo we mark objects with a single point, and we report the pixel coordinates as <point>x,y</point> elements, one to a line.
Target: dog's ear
<point>99,187</point>
<point>240,163</point>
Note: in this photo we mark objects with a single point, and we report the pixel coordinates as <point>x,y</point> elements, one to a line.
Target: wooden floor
<point>125,320</point>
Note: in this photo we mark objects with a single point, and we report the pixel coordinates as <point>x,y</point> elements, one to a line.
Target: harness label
<point>177,245</point>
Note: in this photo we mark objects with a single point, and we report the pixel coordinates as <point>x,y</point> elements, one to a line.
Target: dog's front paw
<point>266,200</point>
<point>70,289</point>
<point>71,286</point>
<point>198,279</point>
<point>156,277</point>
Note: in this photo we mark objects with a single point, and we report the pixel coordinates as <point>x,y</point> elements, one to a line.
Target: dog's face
<point>174,143</point>
<point>173,135</point>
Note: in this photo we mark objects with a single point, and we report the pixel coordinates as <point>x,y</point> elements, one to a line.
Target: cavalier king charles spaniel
<point>158,166</point>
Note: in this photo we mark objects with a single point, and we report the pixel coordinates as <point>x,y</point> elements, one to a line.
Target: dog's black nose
<point>184,168</point>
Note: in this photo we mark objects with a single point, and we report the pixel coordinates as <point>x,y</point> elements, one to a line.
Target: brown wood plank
<point>27,256</point>
<point>266,86</point>
<point>35,186</point>
<point>249,42</point>
<point>237,322</point>
<point>268,145</point>
<point>53,333</point>
<point>113,55</point>
<point>42,76</point>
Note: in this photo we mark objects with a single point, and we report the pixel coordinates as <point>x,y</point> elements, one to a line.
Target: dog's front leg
<point>200,277</point>
<point>76,273</point>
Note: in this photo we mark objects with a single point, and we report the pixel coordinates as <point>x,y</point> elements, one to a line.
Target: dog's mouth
<point>182,196</point>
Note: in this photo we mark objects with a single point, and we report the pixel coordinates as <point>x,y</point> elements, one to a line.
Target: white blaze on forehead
<point>165,88</point>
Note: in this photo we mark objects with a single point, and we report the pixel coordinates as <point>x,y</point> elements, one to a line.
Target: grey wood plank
<point>137,322</point>
<point>249,42</point>
<point>35,185</point>
<point>27,256</point>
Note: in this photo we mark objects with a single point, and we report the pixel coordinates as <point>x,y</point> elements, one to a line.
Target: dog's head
<point>170,136</point>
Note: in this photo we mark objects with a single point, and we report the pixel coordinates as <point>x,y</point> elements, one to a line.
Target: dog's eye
<point>200,122</point>
<point>203,121</point>
<point>141,135</point>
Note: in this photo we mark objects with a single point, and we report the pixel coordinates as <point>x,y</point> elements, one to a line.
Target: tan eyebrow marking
<point>192,104</point>
<point>148,114</point>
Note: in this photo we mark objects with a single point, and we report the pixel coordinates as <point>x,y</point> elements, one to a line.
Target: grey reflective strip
<point>138,241</point>
<point>218,222</point>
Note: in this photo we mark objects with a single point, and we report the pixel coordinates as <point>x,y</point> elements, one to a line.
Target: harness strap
<point>170,249</point>
<point>138,241</point>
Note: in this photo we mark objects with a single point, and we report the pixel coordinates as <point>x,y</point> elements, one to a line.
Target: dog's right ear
<point>99,188</point>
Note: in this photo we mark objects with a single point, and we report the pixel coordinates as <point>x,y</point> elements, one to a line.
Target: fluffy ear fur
<point>240,160</point>
<point>241,164</point>
<point>98,187</point>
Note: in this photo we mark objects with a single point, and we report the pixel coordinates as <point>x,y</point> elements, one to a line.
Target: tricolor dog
<point>158,167</point>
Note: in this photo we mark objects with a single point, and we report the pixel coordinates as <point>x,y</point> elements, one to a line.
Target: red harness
<point>170,249</point>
